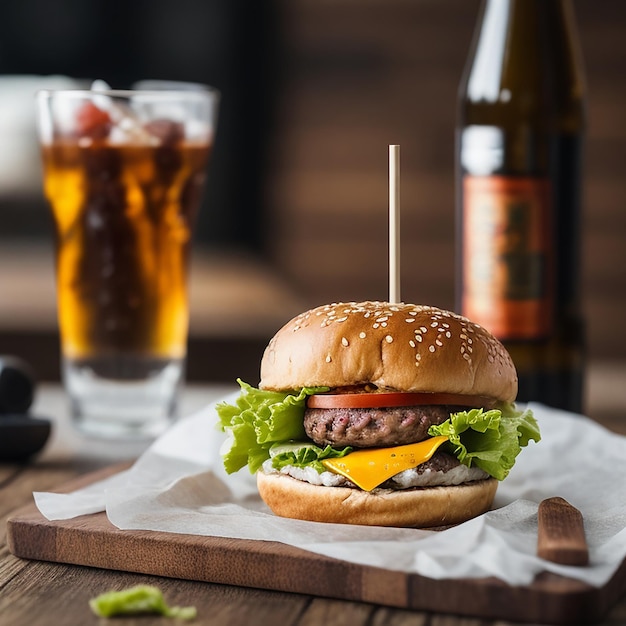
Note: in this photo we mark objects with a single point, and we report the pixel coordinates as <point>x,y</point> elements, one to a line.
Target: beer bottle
<point>519,142</point>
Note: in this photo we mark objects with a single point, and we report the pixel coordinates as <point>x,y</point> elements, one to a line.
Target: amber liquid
<point>124,216</point>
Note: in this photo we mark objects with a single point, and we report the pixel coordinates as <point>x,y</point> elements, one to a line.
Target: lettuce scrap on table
<point>139,600</point>
<point>261,423</point>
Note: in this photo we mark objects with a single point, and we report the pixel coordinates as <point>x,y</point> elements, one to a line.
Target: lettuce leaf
<point>489,439</point>
<point>258,420</point>
<point>305,455</point>
<point>142,599</point>
<point>261,419</point>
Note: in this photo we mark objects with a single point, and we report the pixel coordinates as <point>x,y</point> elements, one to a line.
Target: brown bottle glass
<point>519,146</point>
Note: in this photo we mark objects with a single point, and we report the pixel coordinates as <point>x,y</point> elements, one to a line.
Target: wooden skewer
<point>394,224</point>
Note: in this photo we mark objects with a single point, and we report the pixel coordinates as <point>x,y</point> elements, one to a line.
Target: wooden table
<point>38,593</point>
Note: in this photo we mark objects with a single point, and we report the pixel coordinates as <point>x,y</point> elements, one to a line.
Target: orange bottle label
<point>507,255</point>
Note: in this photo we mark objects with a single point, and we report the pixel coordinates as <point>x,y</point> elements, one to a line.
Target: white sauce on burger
<point>404,480</point>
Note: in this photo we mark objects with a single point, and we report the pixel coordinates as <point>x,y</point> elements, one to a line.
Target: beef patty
<point>374,427</point>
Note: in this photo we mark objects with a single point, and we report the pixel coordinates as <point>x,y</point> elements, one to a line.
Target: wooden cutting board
<point>92,540</point>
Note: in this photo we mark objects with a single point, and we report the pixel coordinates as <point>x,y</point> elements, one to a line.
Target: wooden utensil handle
<point>561,533</point>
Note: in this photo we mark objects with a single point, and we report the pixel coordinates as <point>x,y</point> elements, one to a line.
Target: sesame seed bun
<point>397,347</point>
<point>401,347</point>
<point>417,508</point>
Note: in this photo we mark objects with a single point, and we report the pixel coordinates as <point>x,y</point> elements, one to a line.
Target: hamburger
<point>379,414</point>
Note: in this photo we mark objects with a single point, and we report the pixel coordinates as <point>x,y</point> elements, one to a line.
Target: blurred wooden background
<point>363,74</point>
<point>352,77</point>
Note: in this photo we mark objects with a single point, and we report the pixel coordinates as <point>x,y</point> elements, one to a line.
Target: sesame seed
<point>412,343</point>
<point>388,338</point>
<point>344,342</point>
<point>438,342</point>
<point>409,319</point>
<point>328,358</point>
<point>419,338</point>
<point>431,348</point>
<point>362,335</point>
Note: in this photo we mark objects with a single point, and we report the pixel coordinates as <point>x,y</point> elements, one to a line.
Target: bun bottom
<point>416,508</point>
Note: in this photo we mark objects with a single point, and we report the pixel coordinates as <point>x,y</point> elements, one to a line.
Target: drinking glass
<point>123,173</point>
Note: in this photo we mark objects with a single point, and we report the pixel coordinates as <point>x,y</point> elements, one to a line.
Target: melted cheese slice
<point>369,468</point>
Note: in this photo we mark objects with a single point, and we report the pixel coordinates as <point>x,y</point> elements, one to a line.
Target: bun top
<point>402,347</point>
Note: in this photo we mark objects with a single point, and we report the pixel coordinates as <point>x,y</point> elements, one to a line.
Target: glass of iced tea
<point>124,173</point>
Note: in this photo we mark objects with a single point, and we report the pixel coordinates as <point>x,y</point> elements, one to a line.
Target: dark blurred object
<point>21,436</point>
<point>17,385</point>
<point>230,45</point>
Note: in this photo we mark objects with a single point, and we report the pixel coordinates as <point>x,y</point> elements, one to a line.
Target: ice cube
<point>100,85</point>
<point>129,131</point>
<point>126,126</point>
<point>102,102</point>
<point>197,130</point>
<point>167,131</point>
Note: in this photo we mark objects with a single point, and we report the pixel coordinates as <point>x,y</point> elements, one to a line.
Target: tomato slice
<point>391,399</point>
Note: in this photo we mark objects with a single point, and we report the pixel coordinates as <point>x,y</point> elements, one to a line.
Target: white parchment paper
<point>178,485</point>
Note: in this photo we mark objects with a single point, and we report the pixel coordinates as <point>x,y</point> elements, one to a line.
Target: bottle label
<point>507,260</point>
